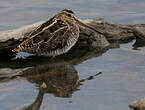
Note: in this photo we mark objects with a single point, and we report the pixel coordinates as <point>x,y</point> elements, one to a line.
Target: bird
<point>55,36</point>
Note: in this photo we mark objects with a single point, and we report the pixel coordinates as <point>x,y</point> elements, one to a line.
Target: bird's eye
<point>69,15</point>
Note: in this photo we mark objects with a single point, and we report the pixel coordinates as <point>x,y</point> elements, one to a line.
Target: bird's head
<point>68,15</point>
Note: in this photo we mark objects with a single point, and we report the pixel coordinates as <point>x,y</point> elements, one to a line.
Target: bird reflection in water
<point>59,79</point>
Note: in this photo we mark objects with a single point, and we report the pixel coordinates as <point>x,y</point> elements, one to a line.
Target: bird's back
<point>52,38</point>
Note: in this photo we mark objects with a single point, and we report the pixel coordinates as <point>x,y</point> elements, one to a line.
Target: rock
<point>138,105</point>
<point>108,32</point>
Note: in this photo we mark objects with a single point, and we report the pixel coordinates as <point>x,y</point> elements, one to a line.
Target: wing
<point>61,41</point>
<point>42,33</point>
<point>53,39</point>
<point>42,26</point>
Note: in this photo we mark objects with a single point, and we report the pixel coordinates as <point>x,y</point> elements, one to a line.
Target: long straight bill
<point>85,25</point>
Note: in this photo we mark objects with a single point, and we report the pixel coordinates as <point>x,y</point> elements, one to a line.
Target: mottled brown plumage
<point>54,37</point>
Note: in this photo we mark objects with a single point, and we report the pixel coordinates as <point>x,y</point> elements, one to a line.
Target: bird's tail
<point>16,50</point>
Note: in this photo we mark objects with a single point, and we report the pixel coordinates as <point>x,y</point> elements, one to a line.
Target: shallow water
<point>121,82</point>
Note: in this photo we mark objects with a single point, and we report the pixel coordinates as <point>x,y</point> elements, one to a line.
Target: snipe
<point>54,37</point>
